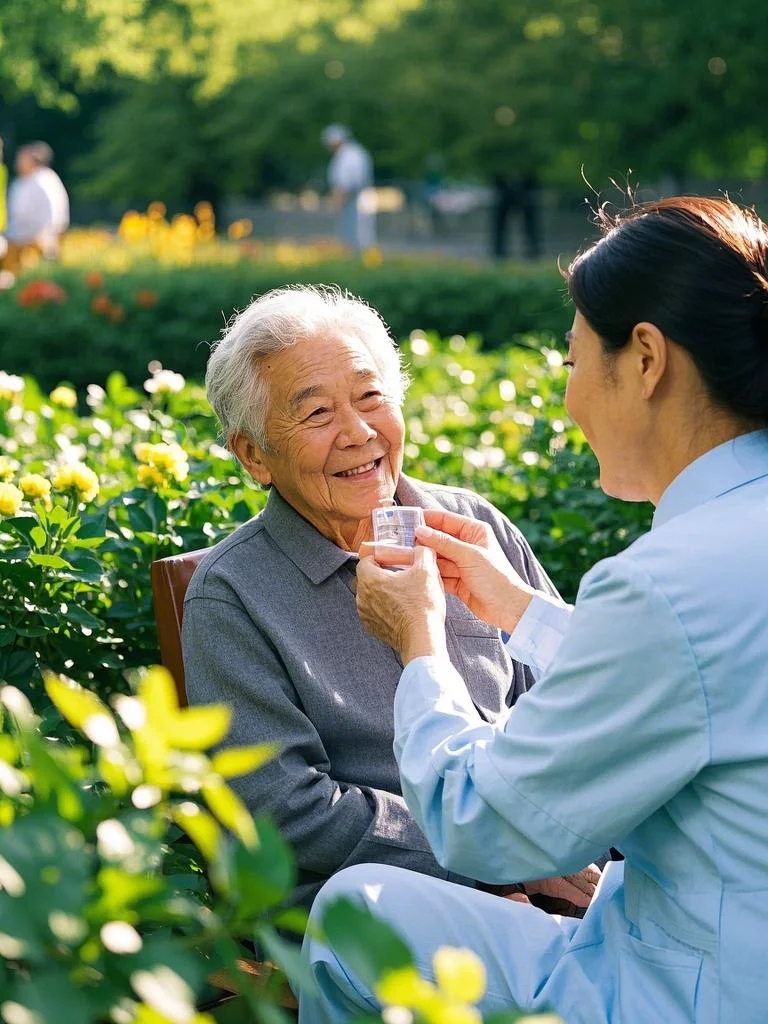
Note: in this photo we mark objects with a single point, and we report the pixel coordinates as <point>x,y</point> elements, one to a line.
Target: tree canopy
<point>235,94</point>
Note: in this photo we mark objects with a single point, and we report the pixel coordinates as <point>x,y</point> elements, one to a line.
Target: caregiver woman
<point>648,730</point>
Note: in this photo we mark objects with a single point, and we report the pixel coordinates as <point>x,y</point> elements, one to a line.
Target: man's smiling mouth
<point>360,469</point>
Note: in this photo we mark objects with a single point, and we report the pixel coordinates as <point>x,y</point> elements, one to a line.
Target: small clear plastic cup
<point>394,534</point>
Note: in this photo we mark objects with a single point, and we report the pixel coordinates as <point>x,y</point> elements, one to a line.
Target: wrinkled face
<point>603,399</point>
<point>335,432</point>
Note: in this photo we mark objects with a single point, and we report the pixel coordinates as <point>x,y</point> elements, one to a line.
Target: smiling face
<point>335,433</point>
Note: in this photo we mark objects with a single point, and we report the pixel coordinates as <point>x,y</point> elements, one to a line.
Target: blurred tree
<point>233,96</point>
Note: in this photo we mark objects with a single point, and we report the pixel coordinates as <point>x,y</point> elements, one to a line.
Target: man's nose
<point>355,429</point>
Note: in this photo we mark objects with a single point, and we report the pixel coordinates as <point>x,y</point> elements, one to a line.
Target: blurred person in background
<point>6,279</point>
<point>3,191</point>
<point>515,196</point>
<point>38,206</point>
<point>350,178</point>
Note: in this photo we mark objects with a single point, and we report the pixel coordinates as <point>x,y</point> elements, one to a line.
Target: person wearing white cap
<point>350,177</point>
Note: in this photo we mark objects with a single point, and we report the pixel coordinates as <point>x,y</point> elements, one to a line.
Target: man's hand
<point>473,567</point>
<point>405,609</point>
<point>569,895</point>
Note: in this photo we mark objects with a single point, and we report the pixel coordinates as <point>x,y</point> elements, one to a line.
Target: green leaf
<point>49,561</point>
<point>84,568</point>
<point>139,518</point>
<point>24,526</point>
<point>201,828</point>
<point>263,877</point>
<point>288,957</point>
<point>58,516</point>
<point>368,946</point>
<point>50,859</point>
<point>234,761</point>
<point>18,667</point>
<point>230,810</point>
<point>76,704</point>
<point>294,919</point>
<point>93,527</point>
<point>50,994</point>
<point>81,617</point>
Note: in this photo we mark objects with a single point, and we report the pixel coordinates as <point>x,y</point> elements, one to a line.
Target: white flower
<point>164,382</point>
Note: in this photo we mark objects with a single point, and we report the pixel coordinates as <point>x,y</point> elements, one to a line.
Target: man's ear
<point>251,458</point>
<point>651,349</point>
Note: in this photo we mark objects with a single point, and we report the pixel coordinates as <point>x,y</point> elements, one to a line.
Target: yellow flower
<point>170,459</point>
<point>76,477</point>
<point>7,467</point>
<point>35,486</point>
<point>10,386</point>
<point>150,476</point>
<point>404,986</point>
<point>142,450</point>
<point>372,257</point>
<point>10,499</point>
<point>64,396</point>
<point>460,974</point>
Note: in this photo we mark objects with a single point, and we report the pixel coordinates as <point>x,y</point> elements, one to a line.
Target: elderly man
<point>308,387</point>
<point>38,205</point>
<point>350,177</point>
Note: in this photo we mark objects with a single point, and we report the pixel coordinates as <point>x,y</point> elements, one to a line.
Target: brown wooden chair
<point>170,579</point>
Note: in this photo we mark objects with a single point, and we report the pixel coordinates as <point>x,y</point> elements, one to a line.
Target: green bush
<point>81,333</point>
<point>130,870</point>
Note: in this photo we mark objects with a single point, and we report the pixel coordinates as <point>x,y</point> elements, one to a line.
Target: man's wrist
<point>516,608</point>
<point>425,641</point>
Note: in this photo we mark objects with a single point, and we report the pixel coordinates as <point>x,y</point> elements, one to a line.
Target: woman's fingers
<point>447,547</point>
<point>472,531</point>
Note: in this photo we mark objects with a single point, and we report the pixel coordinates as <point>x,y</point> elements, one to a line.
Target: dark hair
<point>698,270</point>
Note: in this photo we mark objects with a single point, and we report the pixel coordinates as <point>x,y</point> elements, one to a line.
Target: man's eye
<point>568,363</point>
<point>319,412</point>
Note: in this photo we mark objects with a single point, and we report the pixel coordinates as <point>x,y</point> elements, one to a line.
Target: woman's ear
<point>651,349</point>
<point>251,458</point>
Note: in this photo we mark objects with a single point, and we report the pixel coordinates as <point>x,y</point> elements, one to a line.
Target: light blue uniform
<point>649,732</point>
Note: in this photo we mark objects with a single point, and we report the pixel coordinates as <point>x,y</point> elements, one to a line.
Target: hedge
<point>77,326</point>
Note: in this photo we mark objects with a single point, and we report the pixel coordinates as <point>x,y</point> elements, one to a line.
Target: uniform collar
<point>719,470</point>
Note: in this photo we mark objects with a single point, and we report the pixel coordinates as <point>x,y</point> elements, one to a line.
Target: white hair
<point>275,321</point>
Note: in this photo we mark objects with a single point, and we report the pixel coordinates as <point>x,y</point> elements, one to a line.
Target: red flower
<point>101,303</point>
<point>94,279</point>
<point>146,298</point>
<point>117,313</point>
<point>38,293</point>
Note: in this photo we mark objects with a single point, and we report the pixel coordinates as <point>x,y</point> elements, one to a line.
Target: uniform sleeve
<point>539,633</point>
<point>330,824</point>
<point>616,727</point>
<point>536,640</point>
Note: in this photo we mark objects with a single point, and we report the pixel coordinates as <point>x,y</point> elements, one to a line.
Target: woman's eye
<point>568,363</point>
<point>317,413</point>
